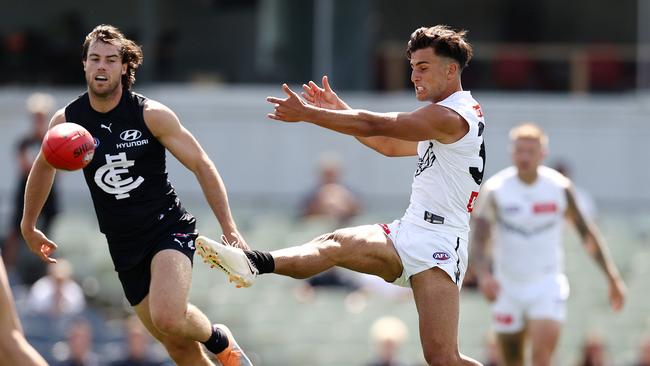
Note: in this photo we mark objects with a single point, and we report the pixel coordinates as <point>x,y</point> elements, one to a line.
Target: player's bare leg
<point>179,325</point>
<point>182,350</point>
<point>363,249</point>
<point>166,313</point>
<point>366,249</point>
<point>171,277</point>
<point>544,336</point>
<point>437,301</point>
<point>14,348</point>
<point>512,346</point>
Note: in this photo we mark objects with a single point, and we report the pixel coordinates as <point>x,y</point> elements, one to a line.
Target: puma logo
<point>106,127</point>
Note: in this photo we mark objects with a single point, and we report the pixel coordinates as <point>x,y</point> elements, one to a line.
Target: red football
<point>68,146</point>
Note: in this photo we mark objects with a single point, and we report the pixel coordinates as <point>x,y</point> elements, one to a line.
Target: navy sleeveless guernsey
<point>134,201</point>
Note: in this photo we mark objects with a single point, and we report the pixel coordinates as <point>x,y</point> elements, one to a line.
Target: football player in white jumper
<point>427,248</point>
<point>523,209</point>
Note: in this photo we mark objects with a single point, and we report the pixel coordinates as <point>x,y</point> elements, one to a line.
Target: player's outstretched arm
<point>164,124</point>
<point>39,184</point>
<point>596,247</point>
<point>325,97</point>
<point>426,123</point>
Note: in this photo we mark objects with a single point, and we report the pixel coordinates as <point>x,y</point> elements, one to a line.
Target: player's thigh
<point>171,277</point>
<point>367,249</point>
<point>8,317</point>
<point>544,335</point>
<point>512,347</point>
<point>437,301</point>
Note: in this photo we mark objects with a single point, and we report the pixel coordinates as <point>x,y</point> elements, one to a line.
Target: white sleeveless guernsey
<point>530,222</point>
<point>448,176</point>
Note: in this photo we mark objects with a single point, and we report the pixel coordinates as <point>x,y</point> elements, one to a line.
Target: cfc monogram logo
<point>109,178</point>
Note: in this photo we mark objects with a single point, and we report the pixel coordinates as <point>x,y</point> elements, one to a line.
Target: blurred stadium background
<point>580,69</point>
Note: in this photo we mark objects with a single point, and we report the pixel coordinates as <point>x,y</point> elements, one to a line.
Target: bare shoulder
<point>58,117</point>
<point>455,123</point>
<point>158,117</point>
<point>445,120</point>
<point>154,110</point>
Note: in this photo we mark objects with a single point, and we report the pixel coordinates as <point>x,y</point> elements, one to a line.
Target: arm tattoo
<point>576,215</point>
<point>591,238</point>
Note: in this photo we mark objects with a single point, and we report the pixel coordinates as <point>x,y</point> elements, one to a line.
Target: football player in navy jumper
<point>150,235</point>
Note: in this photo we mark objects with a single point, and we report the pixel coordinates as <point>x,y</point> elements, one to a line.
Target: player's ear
<point>452,69</point>
<point>124,68</point>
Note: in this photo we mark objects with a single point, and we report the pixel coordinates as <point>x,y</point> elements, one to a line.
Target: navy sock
<point>218,341</point>
<point>263,261</point>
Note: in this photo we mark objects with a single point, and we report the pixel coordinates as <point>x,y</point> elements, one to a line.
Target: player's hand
<point>235,239</point>
<point>291,109</point>
<point>40,245</point>
<point>489,287</point>
<point>323,97</point>
<point>617,293</point>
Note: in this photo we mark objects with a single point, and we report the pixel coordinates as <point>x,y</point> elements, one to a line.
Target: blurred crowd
<point>522,60</point>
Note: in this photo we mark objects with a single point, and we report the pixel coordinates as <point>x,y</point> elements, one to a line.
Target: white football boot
<point>232,260</point>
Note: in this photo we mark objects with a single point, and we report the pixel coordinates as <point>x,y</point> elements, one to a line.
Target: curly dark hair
<point>445,42</point>
<point>130,52</point>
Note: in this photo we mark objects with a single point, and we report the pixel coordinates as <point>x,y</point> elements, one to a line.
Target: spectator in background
<point>585,201</point>
<point>594,351</point>
<point>57,294</point>
<point>388,334</point>
<point>79,350</point>
<point>331,199</point>
<point>138,341</point>
<point>39,107</point>
<point>644,351</point>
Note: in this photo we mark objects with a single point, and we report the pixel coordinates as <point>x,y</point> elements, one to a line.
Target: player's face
<point>527,154</point>
<point>430,74</point>
<point>104,68</point>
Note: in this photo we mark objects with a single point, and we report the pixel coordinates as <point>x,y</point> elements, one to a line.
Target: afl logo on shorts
<point>130,135</point>
<point>441,256</point>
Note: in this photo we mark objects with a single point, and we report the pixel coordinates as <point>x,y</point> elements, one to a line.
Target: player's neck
<point>527,178</point>
<point>103,104</point>
<point>451,89</point>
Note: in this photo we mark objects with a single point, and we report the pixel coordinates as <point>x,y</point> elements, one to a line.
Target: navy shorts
<point>136,280</point>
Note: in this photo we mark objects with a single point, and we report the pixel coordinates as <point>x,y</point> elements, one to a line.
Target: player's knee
<point>335,245</point>
<point>329,246</point>
<point>167,323</point>
<point>541,357</point>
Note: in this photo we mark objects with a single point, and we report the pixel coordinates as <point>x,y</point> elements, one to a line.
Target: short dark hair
<point>130,52</point>
<point>445,42</point>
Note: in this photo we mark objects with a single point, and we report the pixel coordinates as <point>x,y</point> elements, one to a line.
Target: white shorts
<point>421,249</point>
<point>544,299</point>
